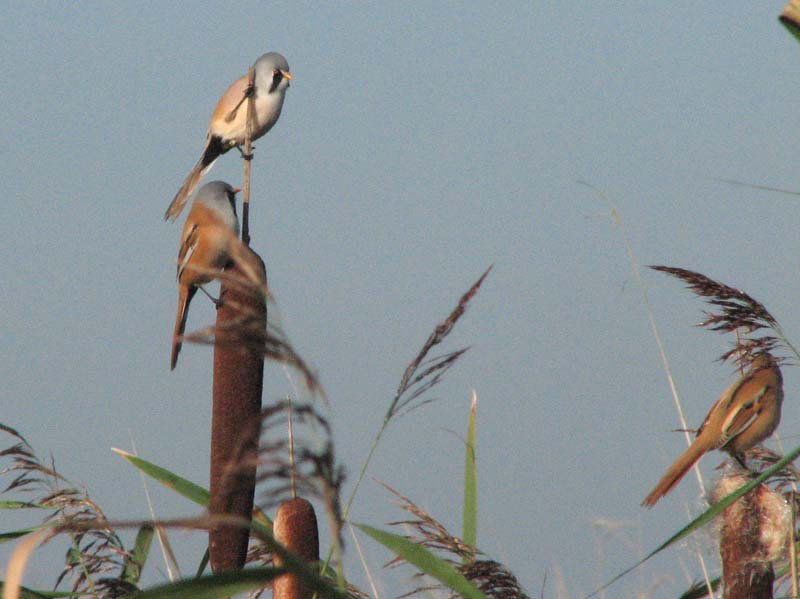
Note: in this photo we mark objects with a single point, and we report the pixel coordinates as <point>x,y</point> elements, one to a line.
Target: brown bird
<point>209,242</point>
<point>747,413</point>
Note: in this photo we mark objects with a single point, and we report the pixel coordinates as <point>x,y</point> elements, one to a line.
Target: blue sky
<point>419,143</point>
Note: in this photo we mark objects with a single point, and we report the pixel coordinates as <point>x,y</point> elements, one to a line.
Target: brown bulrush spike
<point>235,427</point>
<point>753,536</point>
<point>295,527</point>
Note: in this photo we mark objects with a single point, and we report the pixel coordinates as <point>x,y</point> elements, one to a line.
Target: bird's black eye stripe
<point>276,79</point>
<point>232,200</point>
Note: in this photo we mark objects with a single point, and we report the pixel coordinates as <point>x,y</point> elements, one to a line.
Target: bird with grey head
<point>228,125</point>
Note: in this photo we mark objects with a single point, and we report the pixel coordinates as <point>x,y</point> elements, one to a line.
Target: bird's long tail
<point>676,472</point>
<point>184,298</point>
<point>211,152</point>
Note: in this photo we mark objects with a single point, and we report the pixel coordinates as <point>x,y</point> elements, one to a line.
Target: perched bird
<point>747,413</point>
<point>209,243</point>
<point>229,121</point>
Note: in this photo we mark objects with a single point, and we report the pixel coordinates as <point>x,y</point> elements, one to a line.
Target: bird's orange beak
<point>237,190</point>
<point>286,75</point>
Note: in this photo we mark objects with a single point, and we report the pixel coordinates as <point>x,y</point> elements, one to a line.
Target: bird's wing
<point>745,408</point>
<point>188,246</point>
<point>230,113</point>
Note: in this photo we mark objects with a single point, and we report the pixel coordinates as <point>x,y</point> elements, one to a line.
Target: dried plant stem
<point>792,544</point>
<point>248,156</point>
<point>335,549</point>
<point>776,327</point>
<point>390,413</point>
<point>292,480</point>
<point>375,442</point>
<point>169,561</point>
<point>364,564</point>
<point>636,270</point>
<point>19,559</point>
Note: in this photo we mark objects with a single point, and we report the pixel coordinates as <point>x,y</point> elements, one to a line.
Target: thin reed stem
<point>248,156</point>
<point>292,479</point>
<point>636,269</point>
<point>793,544</point>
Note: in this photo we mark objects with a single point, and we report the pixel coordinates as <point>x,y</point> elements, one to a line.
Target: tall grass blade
<point>700,589</point>
<point>469,532</point>
<point>183,487</point>
<point>186,488</point>
<point>12,535</point>
<point>21,505</point>
<point>141,549</point>
<point>203,564</point>
<point>225,584</point>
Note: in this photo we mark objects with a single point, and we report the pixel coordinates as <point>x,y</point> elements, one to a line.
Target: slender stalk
<point>292,482</point>
<point>248,156</point>
<point>780,334</point>
<point>89,580</point>
<point>361,474</point>
<point>419,376</point>
<point>372,449</point>
<point>364,564</point>
<point>334,548</point>
<point>634,265</point>
<point>793,545</point>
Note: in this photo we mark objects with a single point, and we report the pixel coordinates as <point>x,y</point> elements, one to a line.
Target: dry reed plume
<point>97,563</point>
<point>736,311</point>
<point>490,577</point>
